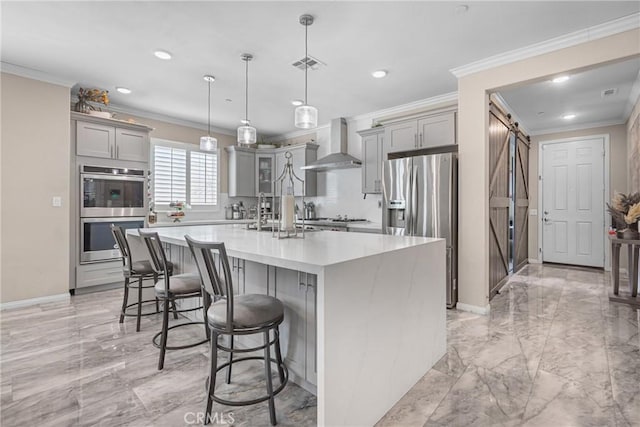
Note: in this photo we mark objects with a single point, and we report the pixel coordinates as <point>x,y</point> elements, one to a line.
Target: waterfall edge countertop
<point>311,254</point>
<point>378,320</point>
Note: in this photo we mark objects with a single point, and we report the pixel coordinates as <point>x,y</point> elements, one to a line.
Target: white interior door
<point>573,202</point>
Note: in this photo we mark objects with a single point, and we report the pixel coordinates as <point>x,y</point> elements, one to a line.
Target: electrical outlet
<point>56,201</point>
<point>379,204</point>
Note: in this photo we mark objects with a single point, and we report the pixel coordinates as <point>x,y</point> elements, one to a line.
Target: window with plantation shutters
<point>182,173</point>
<point>169,174</point>
<point>203,180</point>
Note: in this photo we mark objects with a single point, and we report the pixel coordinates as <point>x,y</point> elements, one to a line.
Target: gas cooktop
<point>337,219</point>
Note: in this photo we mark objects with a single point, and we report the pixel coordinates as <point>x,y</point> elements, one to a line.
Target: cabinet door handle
<point>117,152</point>
<point>111,151</point>
<point>415,140</point>
<point>420,140</point>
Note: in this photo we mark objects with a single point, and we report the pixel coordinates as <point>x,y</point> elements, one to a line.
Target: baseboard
<point>534,261</point>
<point>473,308</point>
<point>34,301</point>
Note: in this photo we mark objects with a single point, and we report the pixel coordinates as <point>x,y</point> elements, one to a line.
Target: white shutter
<point>169,174</point>
<point>204,178</point>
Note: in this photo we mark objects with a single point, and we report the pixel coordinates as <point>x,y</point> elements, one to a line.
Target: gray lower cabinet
<point>99,138</point>
<point>372,142</point>
<point>99,273</point>
<point>296,290</point>
<point>242,181</point>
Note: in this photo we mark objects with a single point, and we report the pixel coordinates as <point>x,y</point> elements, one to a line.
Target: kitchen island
<point>364,313</point>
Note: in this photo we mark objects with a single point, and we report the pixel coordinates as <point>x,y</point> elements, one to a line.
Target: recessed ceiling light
<point>123,90</point>
<point>461,9</point>
<point>560,79</point>
<point>228,99</point>
<point>378,74</point>
<point>162,54</point>
<point>208,78</point>
<point>296,102</point>
<point>569,116</point>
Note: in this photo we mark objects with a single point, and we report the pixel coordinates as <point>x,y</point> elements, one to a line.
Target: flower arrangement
<point>91,95</point>
<point>625,211</point>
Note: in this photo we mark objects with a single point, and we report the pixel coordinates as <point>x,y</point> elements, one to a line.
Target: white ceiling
<point>109,44</point>
<point>540,106</point>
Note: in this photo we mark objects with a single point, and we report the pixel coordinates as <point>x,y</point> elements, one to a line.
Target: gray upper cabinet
<point>401,136</point>
<point>132,145</point>
<point>95,140</point>
<point>242,169</point>
<point>102,139</point>
<point>427,131</point>
<point>437,130</point>
<point>265,166</point>
<point>249,183</point>
<point>372,142</point>
<point>302,155</point>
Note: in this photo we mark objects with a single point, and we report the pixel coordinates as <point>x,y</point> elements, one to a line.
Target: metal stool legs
<point>138,304</point>
<point>125,299</point>
<point>266,347</point>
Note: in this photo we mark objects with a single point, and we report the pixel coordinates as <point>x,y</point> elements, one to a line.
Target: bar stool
<point>235,315</point>
<point>169,289</point>
<point>138,271</point>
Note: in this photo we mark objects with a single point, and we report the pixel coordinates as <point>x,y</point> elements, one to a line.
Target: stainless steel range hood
<point>338,159</point>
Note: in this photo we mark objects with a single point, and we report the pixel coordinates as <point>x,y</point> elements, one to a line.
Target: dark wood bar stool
<point>135,272</point>
<point>169,289</point>
<point>235,315</point>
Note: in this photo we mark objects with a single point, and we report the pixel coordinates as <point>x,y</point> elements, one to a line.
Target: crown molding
<point>123,109</point>
<point>447,99</point>
<point>575,127</point>
<point>596,32</point>
<point>30,73</point>
<point>634,96</point>
<point>502,103</point>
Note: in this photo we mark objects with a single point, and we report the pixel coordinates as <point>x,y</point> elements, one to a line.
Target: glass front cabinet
<point>264,173</point>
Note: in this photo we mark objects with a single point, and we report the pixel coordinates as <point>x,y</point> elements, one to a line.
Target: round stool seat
<point>249,311</point>
<point>144,267</point>
<point>180,284</point>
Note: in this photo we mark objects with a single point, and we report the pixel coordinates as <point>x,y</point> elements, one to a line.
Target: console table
<point>633,248</point>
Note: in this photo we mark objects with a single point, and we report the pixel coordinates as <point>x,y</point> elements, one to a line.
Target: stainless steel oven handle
<point>113,177</point>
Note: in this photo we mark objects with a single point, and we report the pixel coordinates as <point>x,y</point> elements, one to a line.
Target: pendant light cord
<point>246,92</point>
<point>306,61</point>
<point>209,111</point>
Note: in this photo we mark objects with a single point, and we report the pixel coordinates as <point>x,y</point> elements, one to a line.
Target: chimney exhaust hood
<point>338,159</point>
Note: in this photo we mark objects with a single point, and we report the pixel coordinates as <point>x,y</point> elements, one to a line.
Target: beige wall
<point>617,168</point>
<point>473,143</point>
<point>187,134</point>
<point>633,145</point>
<point>34,168</point>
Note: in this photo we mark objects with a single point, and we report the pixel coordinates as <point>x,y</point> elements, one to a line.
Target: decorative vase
<point>82,106</point>
<point>630,233</point>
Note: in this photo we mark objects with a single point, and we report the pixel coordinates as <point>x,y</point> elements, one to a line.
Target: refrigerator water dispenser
<point>396,214</point>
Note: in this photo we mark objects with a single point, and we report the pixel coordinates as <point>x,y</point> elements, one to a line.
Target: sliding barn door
<point>521,215</point>
<point>499,142</point>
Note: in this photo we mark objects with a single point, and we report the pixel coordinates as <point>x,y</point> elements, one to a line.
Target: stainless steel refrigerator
<point>420,199</point>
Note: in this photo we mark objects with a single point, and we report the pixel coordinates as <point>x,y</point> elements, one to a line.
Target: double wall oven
<point>108,196</point>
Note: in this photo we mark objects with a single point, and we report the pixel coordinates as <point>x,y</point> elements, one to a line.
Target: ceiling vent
<point>310,61</point>
<point>609,92</point>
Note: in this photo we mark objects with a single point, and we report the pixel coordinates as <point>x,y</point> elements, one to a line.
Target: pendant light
<point>246,132</point>
<point>306,116</point>
<point>208,143</point>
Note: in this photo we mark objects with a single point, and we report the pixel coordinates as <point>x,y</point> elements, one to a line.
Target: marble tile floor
<point>553,352</point>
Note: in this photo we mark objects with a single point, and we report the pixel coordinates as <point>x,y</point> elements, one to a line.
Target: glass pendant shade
<point>208,143</point>
<point>246,134</point>
<point>306,117</point>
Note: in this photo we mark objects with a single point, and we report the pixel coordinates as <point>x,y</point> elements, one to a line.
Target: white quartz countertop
<point>369,226</point>
<point>317,250</point>
<point>202,222</point>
